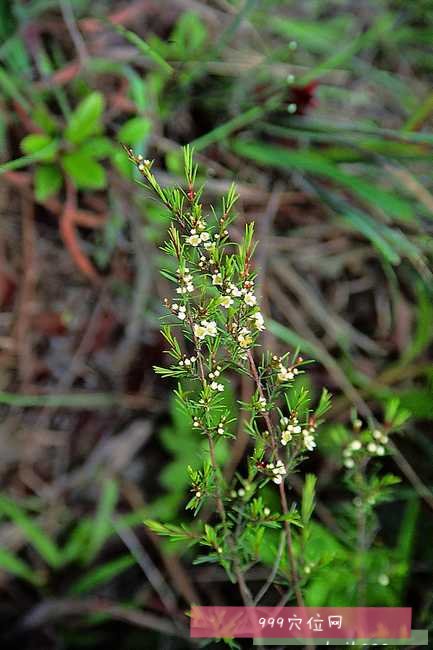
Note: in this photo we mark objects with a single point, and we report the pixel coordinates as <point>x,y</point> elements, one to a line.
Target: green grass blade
<point>102,574</point>
<point>16,567</point>
<point>103,520</point>
<point>34,535</point>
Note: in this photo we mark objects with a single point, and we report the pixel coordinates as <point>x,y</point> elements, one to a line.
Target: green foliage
<point>33,533</point>
<point>217,313</point>
<point>86,120</point>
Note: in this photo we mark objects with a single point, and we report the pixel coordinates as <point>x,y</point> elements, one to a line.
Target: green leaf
<point>86,119</point>
<point>86,172</point>
<point>15,566</point>
<point>48,181</point>
<point>43,118</point>
<point>144,48</point>
<point>99,147</point>
<point>308,496</point>
<point>189,35</point>
<point>134,131</point>
<point>38,143</point>
<point>37,537</point>
<point>102,574</point>
<point>176,533</point>
<point>103,521</point>
<point>76,546</point>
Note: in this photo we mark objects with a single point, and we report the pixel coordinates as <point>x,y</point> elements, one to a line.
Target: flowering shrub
<point>212,328</point>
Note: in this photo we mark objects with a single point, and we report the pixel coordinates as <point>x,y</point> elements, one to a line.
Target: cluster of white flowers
<point>143,163</point>
<point>355,445</point>
<point>233,290</point>
<point>309,440</point>
<point>196,238</point>
<point>206,328</point>
<point>188,361</point>
<point>259,321</point>
<point>382,438</point>
<point>286,374</point>
<point>289,427</point>
<point>215,373</point>
<point>179,310</point>
<point>216,386</point>
<point>186,284</point>
<point>278,471</point>
<point>244,338</point>
<point>221,425</point>
<point>374,448</point>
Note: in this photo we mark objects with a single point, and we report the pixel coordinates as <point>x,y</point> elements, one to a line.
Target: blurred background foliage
<point>322,113</point>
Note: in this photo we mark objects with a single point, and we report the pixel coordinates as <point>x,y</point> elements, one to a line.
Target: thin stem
<point>283,498</point>
<point>243,587</point>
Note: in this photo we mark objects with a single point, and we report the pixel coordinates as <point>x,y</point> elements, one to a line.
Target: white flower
<point>278,471</point>
<point>284,422</point>
<point>194,240</point>
<point>309,441</point>
<point>250,299</point>
<point>259,321</point>
<point>199,331</point>
<point>234,291</point>
<point>220,431</point>
<point>381,437</point>
<point>349,463</point>
<point>204,236</point>
<point>226,302</point>
<point>266,512</point>
<point>285,374</point>
<point>189,288</point>
<point>216,386</point>
<point>372,447</point>
<point>244,337</point>
<point>217,279</point>
<point>181,314</point>
<point>380,450</point>
<point>356,445</point>
<point>210,327</point>
<point>286,436</point>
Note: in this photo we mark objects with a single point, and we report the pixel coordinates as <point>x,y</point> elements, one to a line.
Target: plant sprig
<point>212,327</point>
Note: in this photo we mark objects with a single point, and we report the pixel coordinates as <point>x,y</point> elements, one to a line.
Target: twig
<point>270,581</point>
<point>75,34</point>
<point>53,610</point>
<point>27,290</point>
